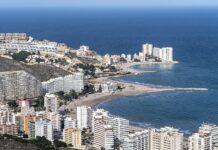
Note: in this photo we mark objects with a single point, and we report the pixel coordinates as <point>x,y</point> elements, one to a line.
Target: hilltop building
<point>13,37</point>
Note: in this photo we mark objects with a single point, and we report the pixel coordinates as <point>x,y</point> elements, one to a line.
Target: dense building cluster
<point>18,84</point>
<point>29,47</point>
<point>149,53</point>
<point>159,54</point>
<point>108,130</point>
<point>96,128</point>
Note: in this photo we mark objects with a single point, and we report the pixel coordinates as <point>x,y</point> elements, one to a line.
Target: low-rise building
<point>13,37</point>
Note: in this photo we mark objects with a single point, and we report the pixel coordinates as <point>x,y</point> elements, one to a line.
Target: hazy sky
<point>55,3</point>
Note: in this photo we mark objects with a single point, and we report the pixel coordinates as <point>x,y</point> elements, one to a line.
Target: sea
<point>192,32</point>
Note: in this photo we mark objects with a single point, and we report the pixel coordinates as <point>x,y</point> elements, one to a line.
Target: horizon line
<point>115,6</point>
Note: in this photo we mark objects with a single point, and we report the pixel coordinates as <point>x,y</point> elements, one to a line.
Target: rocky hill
<point>10,144</point>
<point>41,71</point>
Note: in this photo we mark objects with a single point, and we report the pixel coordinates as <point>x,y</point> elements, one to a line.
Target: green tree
<point>73,94</point>
<point>21,56</point>
<point>58,144</point>
<point>67,97</point>
<point>60,94</point>
<point>42,143</point>
<point>13,104</point>
<point>88,69</point>
<point>39,102</point>
<point>112,69</point>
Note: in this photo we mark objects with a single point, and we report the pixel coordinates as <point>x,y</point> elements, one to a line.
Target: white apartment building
<point>135,56</point>
<point>166,139</point>
<point>99,120</point>
<point>120,127</point>
<point>84,48</point>
<point>129,57</point>
<point>44,128</point>
<point>164,54</point>
<point>157,52</point>
<point>6,115</point>
<point>147,49</point>
<point>70,123</point>
<point>108,137</point>
<point>51,102</point>
<point>167,54</point>
<point>123,55</point>
<point>13,37</point>
<point>84,117</point>
<point>108,87</point>
<point>55,119</point>
<point>103,134</point>
<point>200,141</point>
<point>211,129</point>
<point>75,82</point>
<point>205,139</point>
<point>137,141</point>
<point>66,83</point>
<point>18,84</point>
<point>107,60</point>
<point>104,115</point>
<point>35,46</point>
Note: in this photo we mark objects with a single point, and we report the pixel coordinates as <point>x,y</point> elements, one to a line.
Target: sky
<point>71,3</point>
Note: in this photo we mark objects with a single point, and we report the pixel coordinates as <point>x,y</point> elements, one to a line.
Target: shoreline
<point>131,89</point>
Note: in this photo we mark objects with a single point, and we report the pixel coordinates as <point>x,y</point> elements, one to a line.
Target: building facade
<point>84,117</point>
<point>51,102</point>
<point>18,84</point>
<point>165,139</point>
<point>44,128</point>
<point>72,136</point>
<point>70,82</point>
<point>137,141</point>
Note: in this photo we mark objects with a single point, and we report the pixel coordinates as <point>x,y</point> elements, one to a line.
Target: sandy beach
<point>130,89</point>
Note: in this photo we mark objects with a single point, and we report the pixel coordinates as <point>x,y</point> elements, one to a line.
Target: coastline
<point>131,89</point>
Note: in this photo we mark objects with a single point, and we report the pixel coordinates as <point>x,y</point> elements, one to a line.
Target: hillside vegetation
<point>40,71</point>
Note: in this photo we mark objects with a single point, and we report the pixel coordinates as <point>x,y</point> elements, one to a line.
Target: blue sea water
<point>193,32</point>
